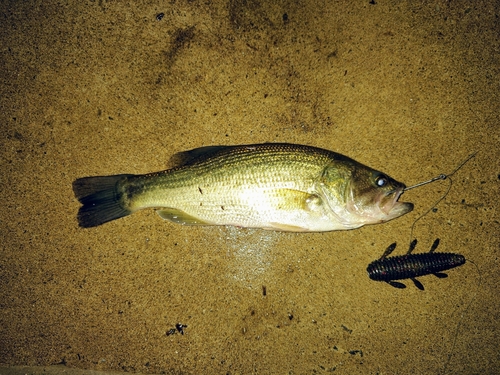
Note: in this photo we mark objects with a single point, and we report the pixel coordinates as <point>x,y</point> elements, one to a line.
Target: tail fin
<point>100,199</point>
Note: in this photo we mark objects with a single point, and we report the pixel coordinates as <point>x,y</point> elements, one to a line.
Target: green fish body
<point>283,187</point>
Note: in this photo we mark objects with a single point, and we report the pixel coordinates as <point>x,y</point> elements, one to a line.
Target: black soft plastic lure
<point>410,266</point>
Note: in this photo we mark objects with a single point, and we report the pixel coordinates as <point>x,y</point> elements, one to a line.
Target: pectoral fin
<point>291,199</point>
<point>294,201</point>
<point>180,217</point>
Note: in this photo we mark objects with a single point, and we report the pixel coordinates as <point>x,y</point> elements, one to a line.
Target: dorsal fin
<point>188,157</point>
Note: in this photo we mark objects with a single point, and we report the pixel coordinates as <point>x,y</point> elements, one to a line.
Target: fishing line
<point>437,178</point>
<point>455,336</point>
<point>442,176</point>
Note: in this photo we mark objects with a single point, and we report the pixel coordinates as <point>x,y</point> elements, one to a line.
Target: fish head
<point>360,195</point>
<point>374,196</point>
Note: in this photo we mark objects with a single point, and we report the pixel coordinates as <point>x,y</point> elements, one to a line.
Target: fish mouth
<point>392,208</point>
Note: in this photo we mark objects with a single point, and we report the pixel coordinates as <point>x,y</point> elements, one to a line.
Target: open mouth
<point>392,207</point>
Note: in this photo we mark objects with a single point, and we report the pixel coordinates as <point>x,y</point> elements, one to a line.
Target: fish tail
<point>100,199</point>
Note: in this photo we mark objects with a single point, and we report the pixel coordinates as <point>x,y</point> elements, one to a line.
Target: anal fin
<point>180,217</point>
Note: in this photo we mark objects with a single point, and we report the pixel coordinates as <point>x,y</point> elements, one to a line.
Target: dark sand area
<point>108,87</point>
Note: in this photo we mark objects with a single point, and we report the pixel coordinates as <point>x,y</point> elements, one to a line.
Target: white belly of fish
<point>285,209</point>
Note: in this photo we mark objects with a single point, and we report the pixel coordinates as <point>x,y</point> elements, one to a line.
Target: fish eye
<point>381,180</point>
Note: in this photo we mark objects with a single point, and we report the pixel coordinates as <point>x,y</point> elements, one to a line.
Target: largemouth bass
<point>283,187</point>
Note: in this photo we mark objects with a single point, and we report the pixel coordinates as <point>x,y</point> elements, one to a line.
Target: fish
<point>272,186</point>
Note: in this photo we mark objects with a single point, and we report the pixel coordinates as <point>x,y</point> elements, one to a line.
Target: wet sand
<point>106,87</point>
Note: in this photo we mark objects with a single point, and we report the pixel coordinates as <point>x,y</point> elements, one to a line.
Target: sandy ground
<point>106,87</point>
